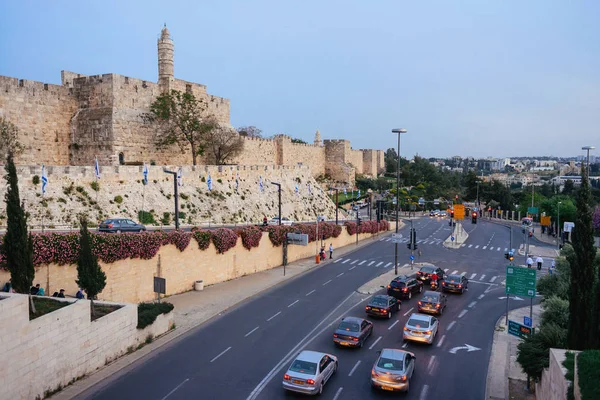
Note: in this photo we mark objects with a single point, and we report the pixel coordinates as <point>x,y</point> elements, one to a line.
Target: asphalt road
<point>243,353</point>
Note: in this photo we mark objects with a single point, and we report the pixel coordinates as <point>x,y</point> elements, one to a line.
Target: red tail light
<point>367,308</point>
<point>310,381</point>
<point>335,335</point>
<point>444,283</point>
<point>403,379</point>
<point>459,286</point>
<point>419,273</point>
<point>420,303</point>
<point>405,289</point>
<point>374,374</point>
<point>405,328</point>
<point>389,286</point>
<point>355,339</point>
<point>384,311</point>
<point>110,225</point>
<point>428,332</point>
<point>286,377</point>
<point>437,305</point>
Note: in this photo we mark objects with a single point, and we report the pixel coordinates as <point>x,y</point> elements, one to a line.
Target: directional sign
<point>396,237</point>
<point>466,347</point>
<point>520,281</point>
<point>421,201</point>
<point>527,321</point>
<point>459,211</point>
<point>532,210</point>
<point>522,331</point>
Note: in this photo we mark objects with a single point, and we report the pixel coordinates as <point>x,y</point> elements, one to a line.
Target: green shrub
<point>95,185</point>
<point>146,218</point>
<point>166,219</point>
<point>203,179</point>
<point>184,196</point>
<point>118,199</point>
<point>182,215</point>
<point>569,364</point>
<point>79,189</point>
<point>147,312</point>
<point>61,200</point>
<point>533,352</point>
<point>555,310</point>
<point>36,180</point>
<point>220,180</point>
<point>588,370</point>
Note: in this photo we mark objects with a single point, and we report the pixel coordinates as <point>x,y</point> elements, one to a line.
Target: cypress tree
<point>90,276</point>
<point>581,329</point>
<point>18,246</point>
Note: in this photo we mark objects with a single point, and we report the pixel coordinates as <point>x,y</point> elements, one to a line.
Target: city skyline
<point>492,79</point>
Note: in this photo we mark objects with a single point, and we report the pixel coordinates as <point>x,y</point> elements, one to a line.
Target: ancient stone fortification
<point>101,116</point>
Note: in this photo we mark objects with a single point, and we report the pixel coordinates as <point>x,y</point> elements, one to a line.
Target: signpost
<point>545,221</point>
<point>527,321</point>
<point>519,330</point>
<point>459,211</point>
<point>520,281</point>
<point>532,210</point>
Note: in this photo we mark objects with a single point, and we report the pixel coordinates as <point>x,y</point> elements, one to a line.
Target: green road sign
<point>520,281</point>
<point>532,210</point>
<point>519,330</point>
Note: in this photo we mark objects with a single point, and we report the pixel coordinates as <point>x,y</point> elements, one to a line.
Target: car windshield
<point>418,323</point>
<point>388,363</point>
<point>304,367</point>
<point>379,302</point>
<point>427,269</point>
<point>349,326</point>
<point>430,298</point>
<point>453,278</point>
<point>108,221</point>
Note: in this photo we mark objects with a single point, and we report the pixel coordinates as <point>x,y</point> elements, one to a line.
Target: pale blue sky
<point>465,77</point>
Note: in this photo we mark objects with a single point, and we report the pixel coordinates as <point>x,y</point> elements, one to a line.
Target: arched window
<point>121,159</point>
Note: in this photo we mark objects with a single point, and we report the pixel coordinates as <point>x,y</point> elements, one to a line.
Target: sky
<point>464,77</point>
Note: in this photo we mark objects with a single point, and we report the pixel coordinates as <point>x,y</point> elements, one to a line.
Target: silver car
<point>421,328</point>
<point>309,372</point>
<point>392,370</point>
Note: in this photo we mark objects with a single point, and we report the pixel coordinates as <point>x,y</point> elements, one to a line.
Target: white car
<point>420,328</point>
<point>309,372</point>
<point>284,221</point>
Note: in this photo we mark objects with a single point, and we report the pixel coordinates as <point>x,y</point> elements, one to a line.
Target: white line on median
<point>439,343</point>
<point>482,277</point>
<point>352,268</point>
<point>337,394</point>
<point>470,245</point>
<point>362,262</point>
<point>472,304</point>
<point>223,352</point>
<point>176,387</point>
<point>424,391</point>
<point>451,324</point>
<point>311,292</point>
<point>498,248</point>
<point>251,332</point>
<point>375,342</point>
<point>327,282</point>
<point>340,274</point>
<point>392,325</point>
<point>484,247</point>
<point>406,313</point>
<point>477,246</point>
<point>279,312</point>
<point>293,303</point>
<point>354,368</point>
<point>462,313</point>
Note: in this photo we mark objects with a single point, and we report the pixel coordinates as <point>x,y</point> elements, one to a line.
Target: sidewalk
<point>503,369</point>
<point>194,308</point>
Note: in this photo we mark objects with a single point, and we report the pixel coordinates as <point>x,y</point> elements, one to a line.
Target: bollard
<point>318,259</point>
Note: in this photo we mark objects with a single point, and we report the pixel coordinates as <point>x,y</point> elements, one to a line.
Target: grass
<point>44,306</point>
<point>100,310</point>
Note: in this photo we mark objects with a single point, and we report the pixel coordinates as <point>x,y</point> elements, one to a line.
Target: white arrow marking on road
<point>371,263</point>
<point>362,262</point>
<point>375,342</point>
<point>512,298</point>
<point>354,368</point>
<point>466,347</point>
<point>472,276</point>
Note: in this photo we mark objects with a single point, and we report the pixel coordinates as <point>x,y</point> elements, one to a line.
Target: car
<point>309,372</point>
<point>392,370</point>
<point>424,274</point>
<point>420,328</point>
<point>403,287</point>
<point>432,302</point>
<point>118,225</point>
<point>352,332</point>
<point>455,283</point>
<point>383,306</point>
<point>284,221</point>
<point>432,213</point>
<point>443,213</point>
<point>436,212</point>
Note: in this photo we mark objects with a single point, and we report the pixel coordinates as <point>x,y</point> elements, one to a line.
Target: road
<point>242,354</point>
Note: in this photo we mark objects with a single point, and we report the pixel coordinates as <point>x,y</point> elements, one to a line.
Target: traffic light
<point>510,255</point>
<point>413,236</point>
<point>409,246</point>
<point>451,213</point>
<point>474,217</point>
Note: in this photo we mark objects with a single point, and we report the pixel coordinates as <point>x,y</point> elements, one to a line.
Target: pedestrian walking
<point>529,262</point>
<point>551,270</point>
<point>539,262</point>
<point>330,251</point>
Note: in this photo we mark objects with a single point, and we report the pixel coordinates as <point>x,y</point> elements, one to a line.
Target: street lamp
<point>174,173</point>
<point>279,193</point>
<point>588,148</point>
<point>397,131</point>
<point>558,235</point>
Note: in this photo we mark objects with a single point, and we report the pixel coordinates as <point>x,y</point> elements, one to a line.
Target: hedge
<point>588,371</point>
<point>147,312</point>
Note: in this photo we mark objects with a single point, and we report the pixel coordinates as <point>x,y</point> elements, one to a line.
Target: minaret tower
<point>318,141</point>
<point>165,60</point>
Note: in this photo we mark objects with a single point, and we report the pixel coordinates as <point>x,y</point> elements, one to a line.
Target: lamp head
<point>401,130</point>
<point>588,147</point>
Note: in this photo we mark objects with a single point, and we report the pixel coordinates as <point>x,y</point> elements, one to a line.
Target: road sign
<point>527,321</point>
<point>421,201</point>
<point>522,331</point>
<point>520,281</point>
<point>452,238</point>
<point>532,210</point>
<point>545,221</point>
<point>459,211</point>
<point>160,285</point>
<point>436,202</point>
<point>396,237</point>
<point>300,239</point>
<point>412,257</point>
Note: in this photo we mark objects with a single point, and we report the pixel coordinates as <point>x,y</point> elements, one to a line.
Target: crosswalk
<point>437,242</point>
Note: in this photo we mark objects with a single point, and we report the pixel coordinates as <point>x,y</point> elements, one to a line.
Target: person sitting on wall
<point>61,294</point>
<point>41,291</point>
<point>34,290</point>
<point>7,287</point>
<point>80,294</point>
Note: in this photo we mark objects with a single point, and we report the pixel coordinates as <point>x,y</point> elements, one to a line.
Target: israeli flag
<point>260,184</point>
<point>309,191</point>
<point>97,169</point>
<point>237,181</point>
<point>345,193</point>
<point>145,172</point>
<point>209,182</point>
<point>297,189</point>
<point>44,179</point>
<point>179,177</point>
<point>358,196</point>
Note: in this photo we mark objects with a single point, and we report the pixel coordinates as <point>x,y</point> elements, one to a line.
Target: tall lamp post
<point>279,195</point>
<point>558,234</point>
<point>398,132</point>
<point>174,173</point>
<point>588,148</point>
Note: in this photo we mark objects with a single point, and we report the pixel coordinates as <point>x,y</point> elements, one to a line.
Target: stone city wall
<point>257,151</point>
<point>553,385</point>
<point>55,349</point>
<point>300,153</point>
<point>355,158</point>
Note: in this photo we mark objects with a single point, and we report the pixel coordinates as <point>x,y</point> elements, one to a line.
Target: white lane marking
<point>446,269</point>
<point>338,393</point>
<point>484,247</point>
<point>491,248</point>
<point>375,342</point>
<point>340,274</point>
<point>477,246</point>
<point>498,248</point>
<point>472,304</point>
<point>454,272</point>
<point>327,282</point>
<point>503,282</point>
<point>345,261</point>
<point>354,368</point>
<point>472,276</point>
<point>293,303</point>
<point>311,292</point>
<point>439,343</point>
<point>354,262</point>
<point>352,268</point>
<point>424,391</point>
<point>470,245</point>
<point>387,265</point>
<point>379,263</point>
<point>392,325</point>
<point>419,241</point>
<point>463,245</point>
<point>451,324</point>
<point>482,277</point>
<point>493,278</point>
<point>506,249</point>
<point>362,262</point>
<point>430,364</point>
<point>176,387</point>
<point>338,260</point>
<point>371,263</point>
<point>223,352</point>
<point>405,345</point>
<point>462,313</point>
<point>251,332</point>
<point>279,312</point>
<point>481,296</point>
<point>406,313</point>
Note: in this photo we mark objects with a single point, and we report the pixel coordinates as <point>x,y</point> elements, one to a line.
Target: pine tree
<point>17,244</point>
<point>90,276</point>
<point>582,331</point>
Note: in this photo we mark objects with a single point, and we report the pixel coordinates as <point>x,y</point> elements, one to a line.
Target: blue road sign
<point>412,257</point>
<point>452,238</point>
<point>527,321</point>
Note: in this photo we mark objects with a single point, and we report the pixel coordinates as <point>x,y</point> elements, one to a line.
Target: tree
<point>223,143</point>
<point>596,219</point>
<point>532,352</point>
<point>569,187</point>
<point>250,131</point>
<point>18,245</point>
<point>9,139</point>
<point>90,276</point>
<point>582,332</point>
<point>391,160</point>
<point>182,122</point>
<point>299,141</point>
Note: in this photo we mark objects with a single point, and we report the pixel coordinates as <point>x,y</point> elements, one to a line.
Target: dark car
<point>455,283</point>
<point>432,302</point>
<point>352,332</point>
<point>404,287</point>
<point>118,225</point>
<point>383,306</point>
<point>424,274</point>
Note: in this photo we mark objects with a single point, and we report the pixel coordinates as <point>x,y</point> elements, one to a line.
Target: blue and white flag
<point>345,193</point>
<point>97,169</point>
<point>297,190</point>
<point>358,196</point>
<point>330,191</point>
<point>260,184</point>
<point>309,188</point>
<point>209,182</point>
<point>145,172</point>
<point>44,179</point>
<point>179,177</point>
<point>237,181</point>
